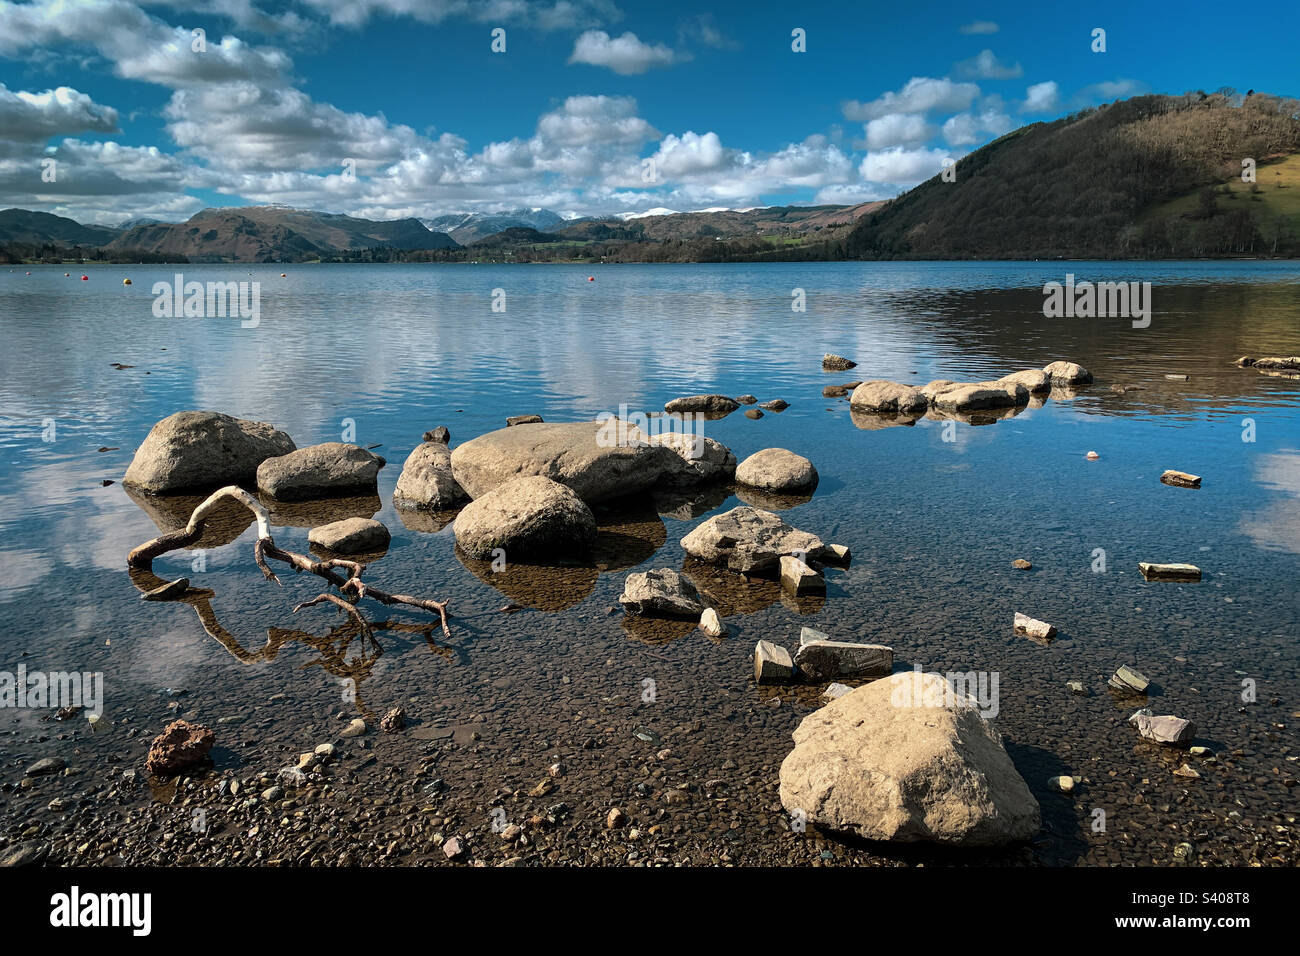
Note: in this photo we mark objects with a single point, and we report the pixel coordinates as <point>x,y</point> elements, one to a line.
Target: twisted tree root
<point>351,586</point>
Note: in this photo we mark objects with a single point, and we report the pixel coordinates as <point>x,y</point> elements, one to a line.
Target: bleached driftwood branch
<point>350,585</point>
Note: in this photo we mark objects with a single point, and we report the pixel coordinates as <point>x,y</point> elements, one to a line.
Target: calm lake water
<point>933,523</point>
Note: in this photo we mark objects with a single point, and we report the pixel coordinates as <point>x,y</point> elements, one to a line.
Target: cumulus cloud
<point>36,117</point>
<point>558,15</point>
<point>903,166</point>
<point>986,66</point>
<point>625,55</point>
<point>896,129</point>
<point>1041,98</point>
<point>966,129</point>
<point>921,94</point>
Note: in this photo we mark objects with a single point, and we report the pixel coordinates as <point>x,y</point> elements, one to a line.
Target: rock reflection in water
<point>770,501</point>
<point>683,504</point>
<point>313,514</point>
<point>171,513</point>
<point>628,532</point>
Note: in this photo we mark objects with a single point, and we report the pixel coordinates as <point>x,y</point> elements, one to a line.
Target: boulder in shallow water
<point>749,541</point>
<point>800,579</point>
<point>351,536</point>
<point>972,396</point>
<point>1068,373</point>
<point>427,482</point>
<point>882,396</point>
<point>1166,729</point>
<point>201,451</point>
<point>1034,379</point>
<point>1180,479</point>
<point>821,659</point>
<point>836,363</point>
<point>530,518</point>
<point>772,664</point>
<point>328,470</point>
<point>906,760</point>
<point>702,459</point>
<point>1169,572</point>
<point>181,745</point>
<point>661,592</point>
<point>715,404</point>
<point>598,460</point>
<point>777,470</point>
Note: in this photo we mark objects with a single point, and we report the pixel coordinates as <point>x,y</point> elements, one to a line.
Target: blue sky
<point>595,107</point>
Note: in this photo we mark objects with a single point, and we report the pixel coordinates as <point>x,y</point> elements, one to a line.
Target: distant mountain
<point>1151,176</point>
<point>811,223</point>
<point>468,228</point>
<point>272,233</point>
<point>515,235</point>
<point>39,228</point>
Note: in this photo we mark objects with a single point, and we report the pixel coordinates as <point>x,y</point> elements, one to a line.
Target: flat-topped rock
<point>1180,479</point>
<point>523,420</point>
<point>1169,572</point>
<point>1032,627</point>
<point>328,470</point>
<point>201,451</point>
<point>749,541</point>
<point>427,482</point>
<point>977,395</point>
<point>661,592</point>
<point>598,460</point>
<point>880,764</point>
<point>779,471</point>
<point>800,579</point>
<point>351,536</point>
<point>528,518</point>
<point>1068,373</point>
<point>882,396</point>
<point>1129,680</point>
<point>821,660</point>
<point>702,403</point>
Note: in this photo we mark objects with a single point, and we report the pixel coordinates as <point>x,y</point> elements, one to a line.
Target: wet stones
<point>748,541</point>
<point>200,451</point>
<point>836,363</point>
<point>1020,564</point>
<point>882,396</point>
<point>800,579</point>
<point>1033,628</point>
<point>779,471</point>
<point>972,397</point>
<point>46,766</point>
<point>351,536</point>
<point>865,765</point>
<point>331,469</point>
<point>1033,379</point>
<point>181,745</point>
<point>1164,729</point>
<point>523,420</point>
<point>1180,479</point>
<point>1169,572</point>
<point>527,518</point>
<point>772,664</point>
<point>822,659</point>
<point>775,405</point>
<point>712,404</point>
<point>1068,373</point>
<point>394,721</point>
<point>661,592</point>
<point>427,482</point>
<point>1289,363</point>
<point>1129,680</point>
<point>711,624</point>
<point>355,728</point>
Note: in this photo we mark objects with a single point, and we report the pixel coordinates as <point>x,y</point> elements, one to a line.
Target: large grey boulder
<point>702,459</point>
<point>426,482</point>
<point>968,397</point>
<point>201,451</point>
<point>661,592</point>
<point>320,471</point>
<point>904,759</point>
<point>350,536</point>
<point>714,404</point>
<point>749,541</point>
<point>1068,373</point>
<point>529,518</point>
<point>777,470</point>
<point>881,396</point>
<point>598,460</point>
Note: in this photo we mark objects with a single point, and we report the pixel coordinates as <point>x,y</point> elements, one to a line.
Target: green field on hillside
<point>1276,194</point>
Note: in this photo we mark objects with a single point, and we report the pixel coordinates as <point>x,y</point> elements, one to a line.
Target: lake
<point>933,515</point>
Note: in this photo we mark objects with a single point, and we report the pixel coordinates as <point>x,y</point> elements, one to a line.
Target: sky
<point>392,108</point>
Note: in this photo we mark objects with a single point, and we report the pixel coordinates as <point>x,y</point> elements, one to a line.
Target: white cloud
<point>903,166</point>
<point>1041,98</point>
<point>986,66</point>
<point>966,129</point>
<point>896,129</point>
<point>36,117</point>
<point>921,94</point>
<point>625,55</point>
<point>1110,90</point>
<point>559,15</point>
<point>979,28</point>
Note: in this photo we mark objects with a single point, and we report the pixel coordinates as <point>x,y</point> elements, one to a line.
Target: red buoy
<point>591,278</point>
<point>85,278</point>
